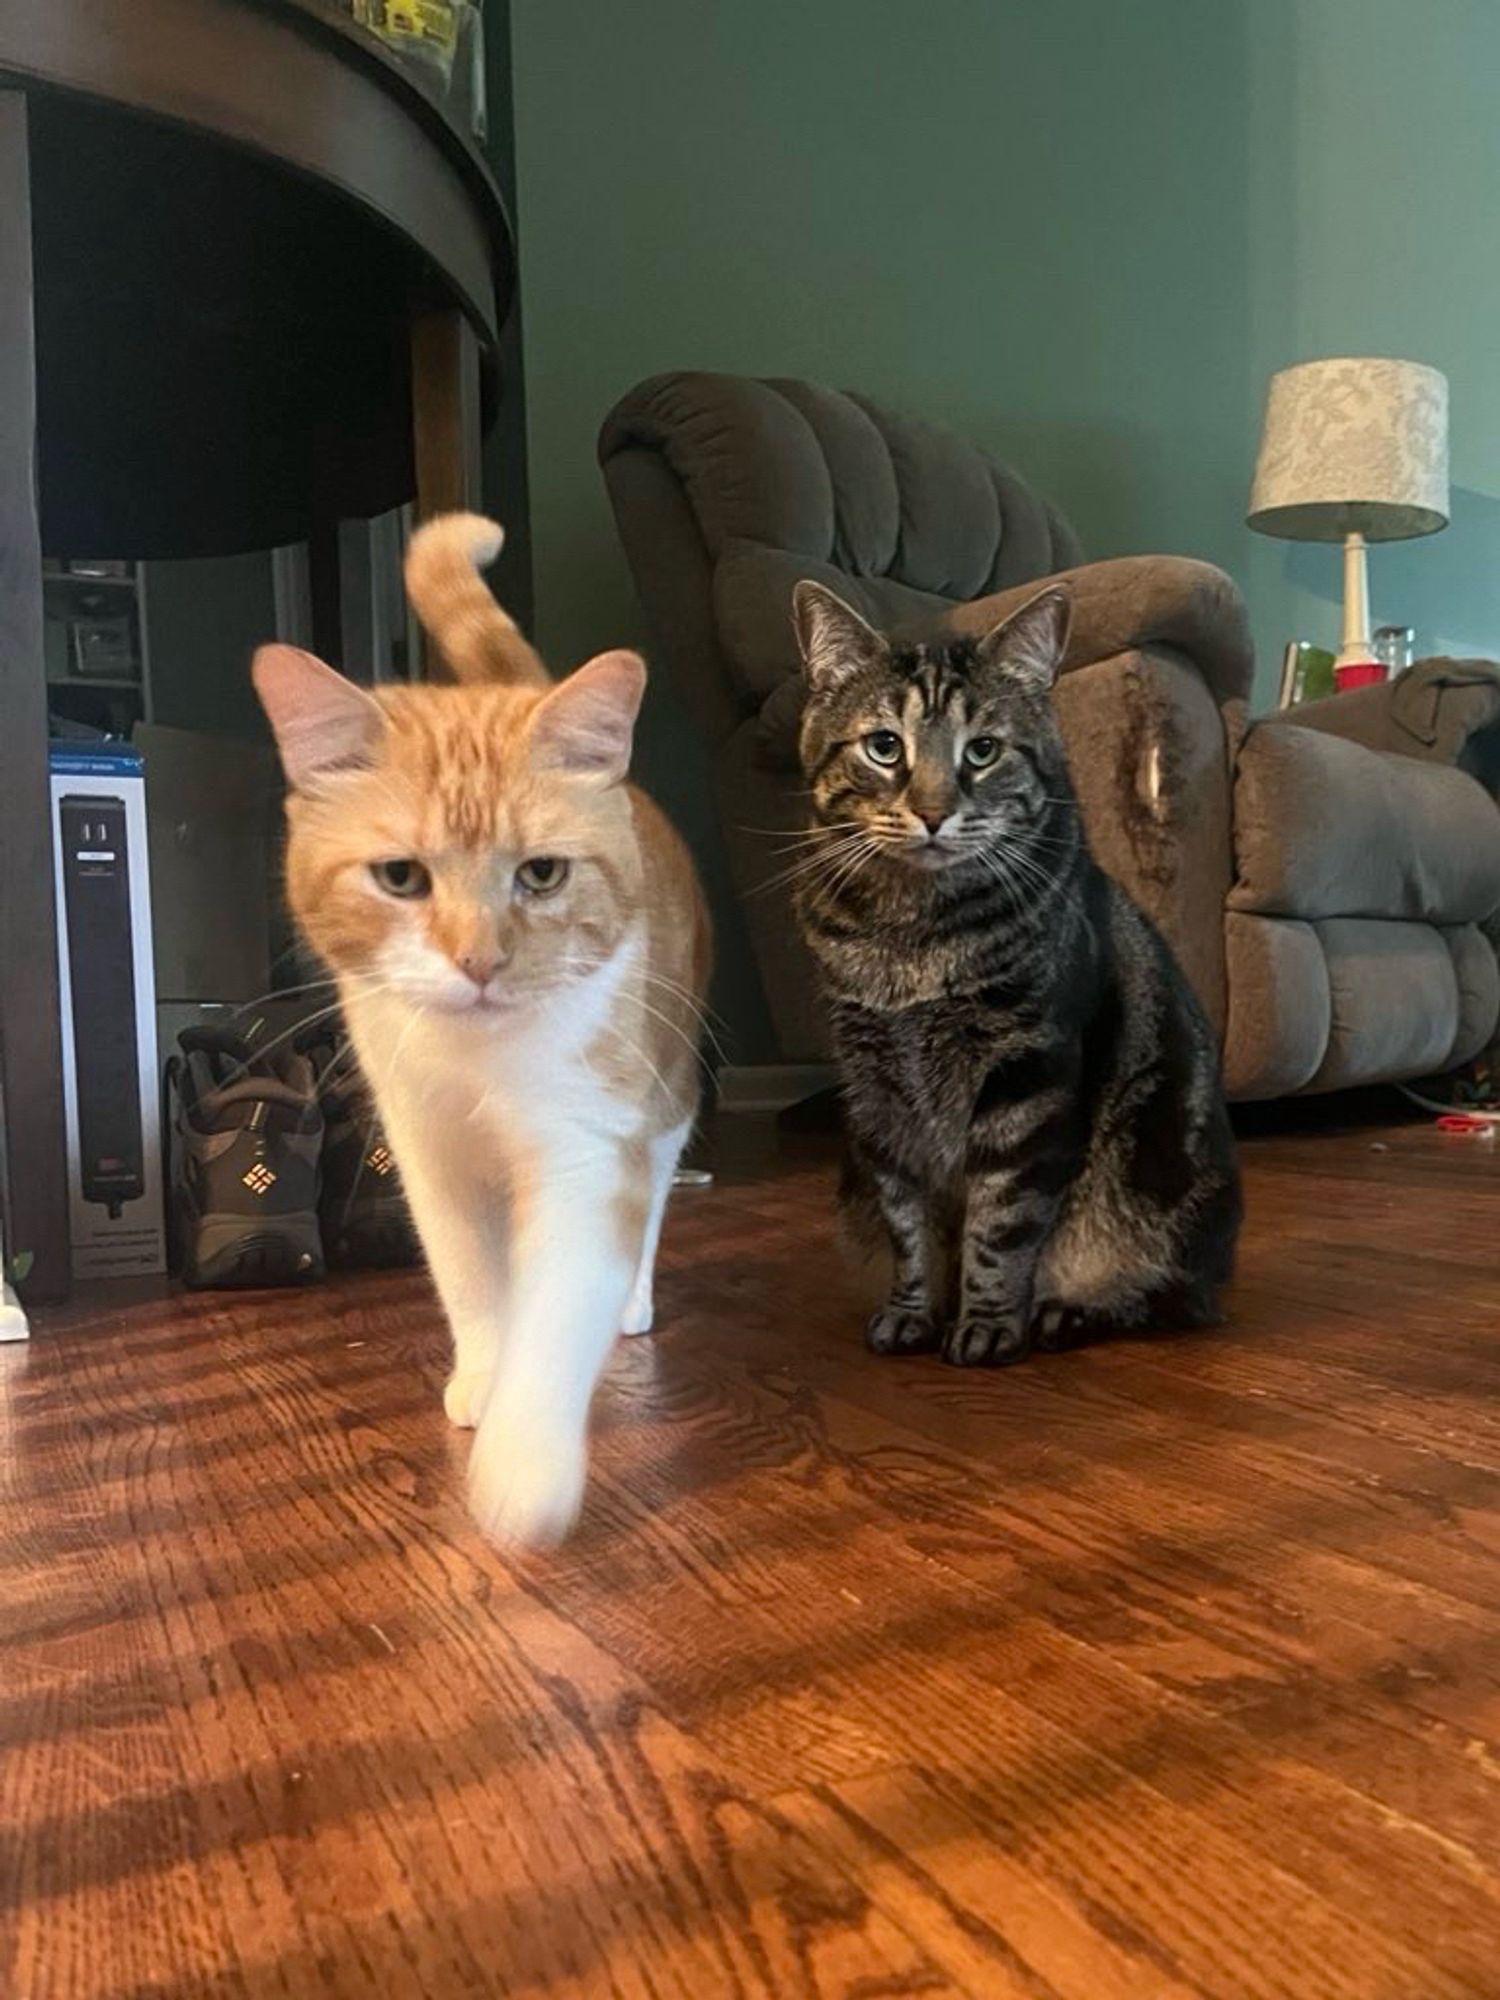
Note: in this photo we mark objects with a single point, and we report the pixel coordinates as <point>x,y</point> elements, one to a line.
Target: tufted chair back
<point>727,490</point>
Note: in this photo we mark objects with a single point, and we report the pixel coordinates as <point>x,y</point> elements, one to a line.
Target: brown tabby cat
<point>521,949</point>
<point>1034,1108</point>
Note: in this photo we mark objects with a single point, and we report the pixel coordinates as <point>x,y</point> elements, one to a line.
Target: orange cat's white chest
<point>488,1076</point>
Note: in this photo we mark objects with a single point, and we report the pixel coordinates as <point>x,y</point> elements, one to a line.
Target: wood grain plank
<point>1166,1668</point>
<point>810,1672</point>
<point>988,1918</point>
<point>497,1768</point>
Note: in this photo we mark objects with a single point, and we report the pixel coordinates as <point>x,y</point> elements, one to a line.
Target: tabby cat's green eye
<point>404,878</point>
<point>884,747</point>
<point>543,875</point>
<point>980,752</point>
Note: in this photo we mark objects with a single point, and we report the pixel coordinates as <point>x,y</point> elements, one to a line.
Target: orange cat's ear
<point>584,727</point>
<point>323,723</point>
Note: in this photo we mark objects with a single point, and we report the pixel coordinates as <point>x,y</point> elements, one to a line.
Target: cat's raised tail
<point>480,641</point>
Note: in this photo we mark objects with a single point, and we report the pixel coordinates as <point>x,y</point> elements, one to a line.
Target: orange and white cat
<point>521,948</point>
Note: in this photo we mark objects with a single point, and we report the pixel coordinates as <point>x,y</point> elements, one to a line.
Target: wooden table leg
<point>446,438</point>
<point>445,412</point>
<point>30,1027</point>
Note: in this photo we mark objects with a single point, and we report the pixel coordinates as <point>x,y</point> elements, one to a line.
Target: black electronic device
<point>101,971</point>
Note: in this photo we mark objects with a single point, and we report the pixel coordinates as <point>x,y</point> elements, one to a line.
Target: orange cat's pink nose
<point>480,966</point>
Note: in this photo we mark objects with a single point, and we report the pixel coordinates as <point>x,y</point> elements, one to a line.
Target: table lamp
<point>1353,451</point>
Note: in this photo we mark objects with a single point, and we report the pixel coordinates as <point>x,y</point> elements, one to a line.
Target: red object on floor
<point>1364,674</point>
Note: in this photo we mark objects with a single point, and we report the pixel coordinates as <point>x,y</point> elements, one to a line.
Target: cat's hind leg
<point>1180,1305</point>
<point>1056,1327</point>
<point>664,1151</point>
<point>1189,1306</point>
<point>1185,1297</point>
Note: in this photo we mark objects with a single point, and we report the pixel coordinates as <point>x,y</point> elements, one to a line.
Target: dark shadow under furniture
<point>252,283</point>
<point>1331,896</point>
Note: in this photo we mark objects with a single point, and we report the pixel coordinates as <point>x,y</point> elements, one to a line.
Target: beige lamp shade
<point>1353,447</point>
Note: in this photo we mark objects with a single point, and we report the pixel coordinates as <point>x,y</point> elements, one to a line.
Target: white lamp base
<point>1356,650</point>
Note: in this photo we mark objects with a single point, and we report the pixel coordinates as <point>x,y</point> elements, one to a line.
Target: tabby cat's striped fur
<point>1032,1090</point>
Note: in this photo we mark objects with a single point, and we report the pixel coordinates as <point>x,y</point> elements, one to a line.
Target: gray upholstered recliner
<point>1326,897</point>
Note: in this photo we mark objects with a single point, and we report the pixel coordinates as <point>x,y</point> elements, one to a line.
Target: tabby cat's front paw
<point>898,1330</point>
<point>986,1343</point>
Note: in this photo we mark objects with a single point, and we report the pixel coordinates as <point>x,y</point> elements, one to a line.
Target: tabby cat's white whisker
<point>783,832</point>
<point>826,858</point>
<point>1013,890</point>
<point>850,867</point>
<point>809,845</point>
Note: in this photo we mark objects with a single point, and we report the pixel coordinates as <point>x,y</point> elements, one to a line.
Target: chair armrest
<point>1327,827</point>
<point>1440,710</point>
<point>1139,602</point>
<point>1149,759</point>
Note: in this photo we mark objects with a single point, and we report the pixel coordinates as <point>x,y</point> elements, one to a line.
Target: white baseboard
<point>771,1087</point>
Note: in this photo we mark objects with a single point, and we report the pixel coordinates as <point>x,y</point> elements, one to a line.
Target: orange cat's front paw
<point>463,1397</point>
<point>525,1488</point>
<point>640,1311</point>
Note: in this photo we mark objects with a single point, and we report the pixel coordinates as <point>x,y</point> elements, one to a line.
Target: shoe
<point>244,1131</point>
<point>365,1221</point>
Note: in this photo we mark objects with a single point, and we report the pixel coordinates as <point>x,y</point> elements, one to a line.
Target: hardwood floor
<point>1167,1668</point>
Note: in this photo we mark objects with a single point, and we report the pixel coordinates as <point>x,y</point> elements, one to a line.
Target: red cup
<point>1363,674</point>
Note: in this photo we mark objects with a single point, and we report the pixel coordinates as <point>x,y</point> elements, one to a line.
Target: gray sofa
<point>1329,879</point>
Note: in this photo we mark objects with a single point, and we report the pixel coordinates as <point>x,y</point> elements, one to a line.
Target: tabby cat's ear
<point>1032,641</point>
<point>834,639</point>
<point>585,726</point>
<point>323,723</point>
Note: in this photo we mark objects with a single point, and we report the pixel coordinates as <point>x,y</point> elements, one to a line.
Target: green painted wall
<point>1022,219</point>
<point>1082,232</point>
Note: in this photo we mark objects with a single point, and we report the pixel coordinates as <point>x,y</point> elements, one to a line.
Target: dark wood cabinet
<point>252,283</point>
